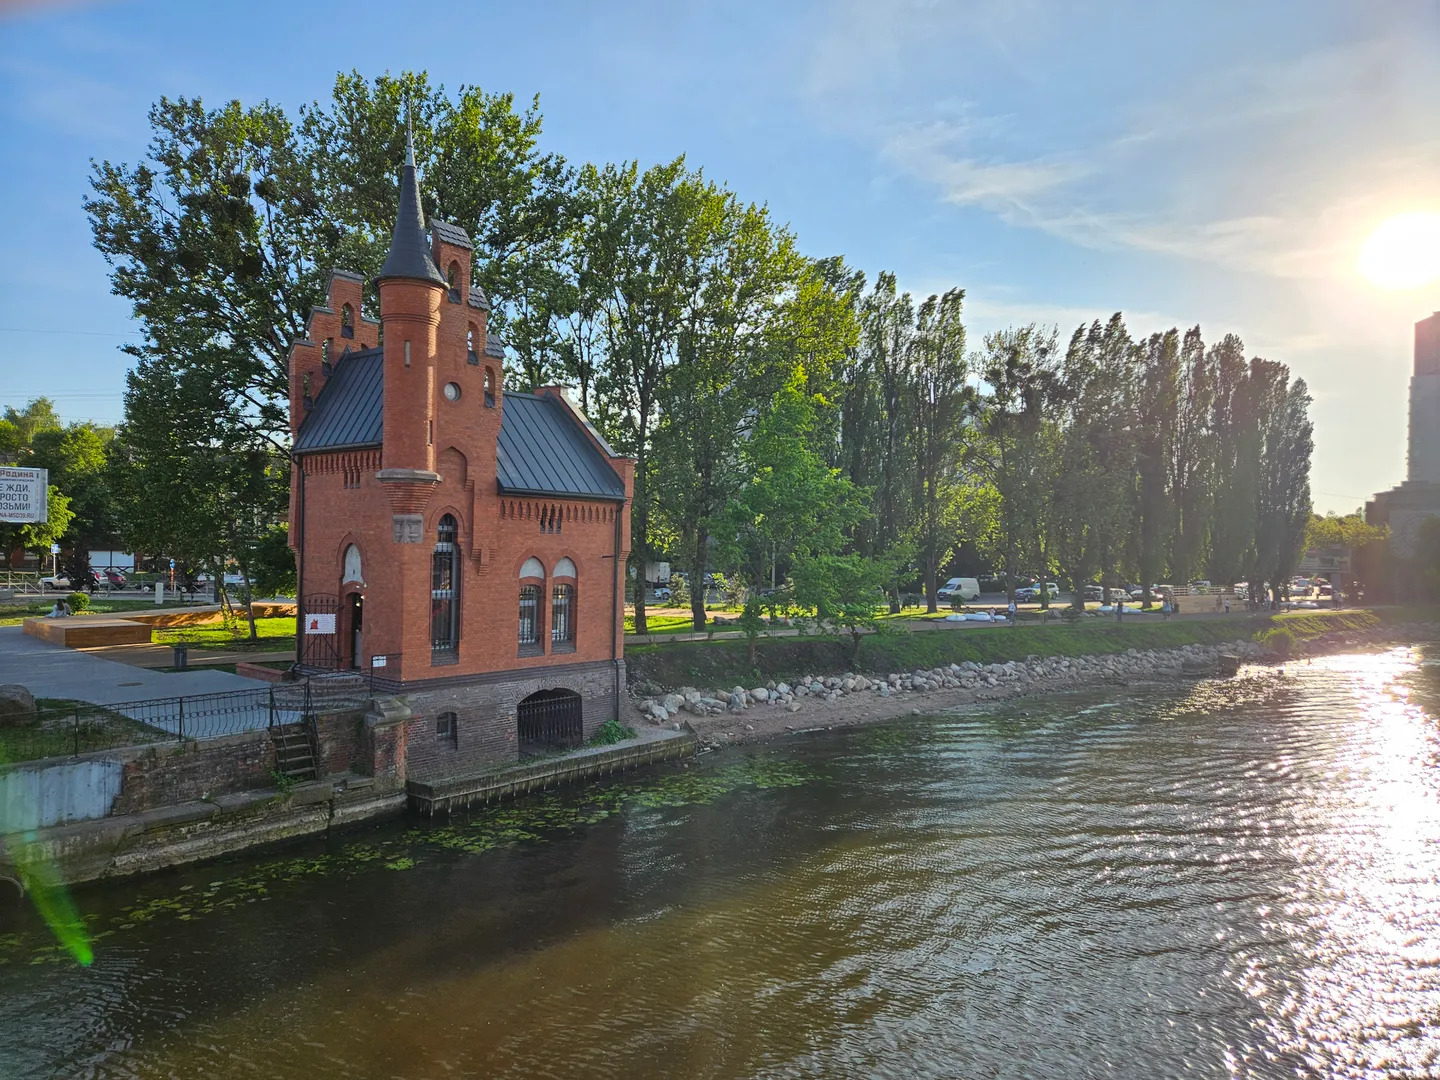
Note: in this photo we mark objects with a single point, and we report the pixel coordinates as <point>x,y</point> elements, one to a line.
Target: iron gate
<point>321,651</point>
<point>550,720</point>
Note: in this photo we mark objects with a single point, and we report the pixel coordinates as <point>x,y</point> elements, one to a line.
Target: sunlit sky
<point>1219,163</point>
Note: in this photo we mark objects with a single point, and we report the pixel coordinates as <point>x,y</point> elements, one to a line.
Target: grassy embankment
<point>721,663</point>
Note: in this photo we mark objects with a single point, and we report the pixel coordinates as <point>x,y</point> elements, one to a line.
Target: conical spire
<point>409,255</point>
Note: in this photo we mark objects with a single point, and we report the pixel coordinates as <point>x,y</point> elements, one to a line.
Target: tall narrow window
<point>347,322</point>
<point>444,594</point>
<point>489,388</point>
<point>562,615</point>
<point>453,277</point>
<point>529,615</point>
<point>471,355</point>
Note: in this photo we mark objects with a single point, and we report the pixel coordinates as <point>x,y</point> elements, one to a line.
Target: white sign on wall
<point>23,495</point>
<point>319,624</point>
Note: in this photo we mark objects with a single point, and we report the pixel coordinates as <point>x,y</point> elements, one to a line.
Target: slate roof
<point>494,346</point>
<point>451,234</point>
<point>347,413</point>
<point>409,255</point>
<point>543,447</point>
<point>543,450</point>
<point>478,299</point>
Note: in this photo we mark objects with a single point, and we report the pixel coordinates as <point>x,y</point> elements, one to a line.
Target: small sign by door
<point>377,661</point>
<point>320,624</point>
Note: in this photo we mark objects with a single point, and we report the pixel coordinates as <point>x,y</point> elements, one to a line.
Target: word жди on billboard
<point>24,495</point>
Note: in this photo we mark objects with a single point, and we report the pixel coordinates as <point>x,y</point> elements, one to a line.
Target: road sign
<point>24,495</point>
<point>54,549</point>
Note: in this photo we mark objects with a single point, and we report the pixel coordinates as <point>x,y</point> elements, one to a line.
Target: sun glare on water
<point>1403,252</point>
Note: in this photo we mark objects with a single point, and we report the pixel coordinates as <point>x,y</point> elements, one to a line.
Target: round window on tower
<point>452,391</point>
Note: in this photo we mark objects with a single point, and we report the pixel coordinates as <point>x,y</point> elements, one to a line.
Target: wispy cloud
<point>1275,168</point>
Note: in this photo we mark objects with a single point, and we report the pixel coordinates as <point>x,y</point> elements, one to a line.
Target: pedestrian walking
<point>1012,609</point>
<point>1227,605</point>
<point>1165,610</point>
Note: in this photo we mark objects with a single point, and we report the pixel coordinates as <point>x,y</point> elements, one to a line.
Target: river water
<point>1235,878</point>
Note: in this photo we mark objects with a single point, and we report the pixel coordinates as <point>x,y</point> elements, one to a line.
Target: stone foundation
<point>485,714</point>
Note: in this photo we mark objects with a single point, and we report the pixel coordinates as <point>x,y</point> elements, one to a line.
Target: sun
<point>1403,252</point>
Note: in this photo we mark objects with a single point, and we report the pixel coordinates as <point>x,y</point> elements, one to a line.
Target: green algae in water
<point>506,825</point>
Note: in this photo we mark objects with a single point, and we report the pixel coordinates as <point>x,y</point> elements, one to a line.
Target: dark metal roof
<point>543,450</point>
<point>451,234</point>
<point>347,412</point>
<point>409,255</point>
<point>478,299</point>
<point>494,346</point>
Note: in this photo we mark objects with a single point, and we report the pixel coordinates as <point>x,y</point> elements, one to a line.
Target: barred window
<point>447,726</point>
<point>562,615</point>
<point>529,614</point>
<point>444,592</point>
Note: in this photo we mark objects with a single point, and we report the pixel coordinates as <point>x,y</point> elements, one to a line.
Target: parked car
<point>1031,593</point>
<point>1094,592</point>
<point>963,589</point>
<point>115,578</point>
<point>56,581</point>
<point>662,592</point>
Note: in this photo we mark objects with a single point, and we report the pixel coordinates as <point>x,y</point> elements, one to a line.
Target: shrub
<point>1278,641</point>
<point>611,731</point>
<point>78,601</point>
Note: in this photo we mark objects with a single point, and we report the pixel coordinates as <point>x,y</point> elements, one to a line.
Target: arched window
<point>352,565</point>
<point>565,568</point>
<point>347,322</point>
<point>470,354</point>
<point>562,614</point>
<point>453,277</point>
<point>326,348</point>
<point>529,615</point>
<point>489,388</point>
<point>447,728</point>
<point>445,594</point>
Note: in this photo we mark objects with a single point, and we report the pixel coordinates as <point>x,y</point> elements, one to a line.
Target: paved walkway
<point>163,656</point>
<point>54,671</point>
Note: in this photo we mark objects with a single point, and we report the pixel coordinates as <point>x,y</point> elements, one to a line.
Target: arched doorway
<point>550,720</point>
<point>355,609</point>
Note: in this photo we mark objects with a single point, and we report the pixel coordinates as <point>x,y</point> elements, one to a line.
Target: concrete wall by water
<point>32,797</point>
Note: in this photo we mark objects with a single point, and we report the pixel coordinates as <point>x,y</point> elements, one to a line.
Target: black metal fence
<point>79,727</point>
<point>550,721</point>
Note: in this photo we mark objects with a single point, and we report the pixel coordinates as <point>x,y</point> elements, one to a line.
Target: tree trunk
<point>932,574</point>
<point>697,575</point>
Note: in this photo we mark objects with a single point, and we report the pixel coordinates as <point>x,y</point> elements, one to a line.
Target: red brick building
<point>465,544</point>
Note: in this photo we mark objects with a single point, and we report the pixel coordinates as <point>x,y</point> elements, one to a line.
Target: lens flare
<point>1403,252</point>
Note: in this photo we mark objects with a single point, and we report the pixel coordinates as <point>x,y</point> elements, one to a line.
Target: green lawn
<point>662,624</point>
<point>13,613</point>
<point>276,633</point>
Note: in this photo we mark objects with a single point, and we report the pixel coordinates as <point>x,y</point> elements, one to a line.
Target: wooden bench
<point>88,632</point>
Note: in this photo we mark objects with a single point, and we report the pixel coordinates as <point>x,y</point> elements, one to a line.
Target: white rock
<point>760,693</point>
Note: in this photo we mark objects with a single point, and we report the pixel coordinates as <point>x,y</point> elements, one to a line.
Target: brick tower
<point>464,545</point>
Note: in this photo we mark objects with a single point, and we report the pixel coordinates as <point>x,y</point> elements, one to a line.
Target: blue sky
<point>1216,163</point>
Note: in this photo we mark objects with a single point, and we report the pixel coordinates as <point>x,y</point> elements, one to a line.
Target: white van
<point>963,589</point>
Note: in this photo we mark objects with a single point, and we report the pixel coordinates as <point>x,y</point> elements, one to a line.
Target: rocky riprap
<point>982,681</point>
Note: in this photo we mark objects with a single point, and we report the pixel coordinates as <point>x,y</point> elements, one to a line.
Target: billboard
<point>24,495</point>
